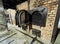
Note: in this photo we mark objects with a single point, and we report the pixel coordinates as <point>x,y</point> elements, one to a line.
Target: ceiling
<point>11,3</point>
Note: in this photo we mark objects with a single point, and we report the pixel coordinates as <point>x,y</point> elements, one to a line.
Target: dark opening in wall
<point>11,3</point>
<point>39,16</point>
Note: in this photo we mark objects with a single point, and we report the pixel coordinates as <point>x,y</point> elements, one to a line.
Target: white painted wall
<point>59,23</point>
<point>11,13</point>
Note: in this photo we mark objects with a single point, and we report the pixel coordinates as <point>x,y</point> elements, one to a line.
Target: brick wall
<point>46,32</point>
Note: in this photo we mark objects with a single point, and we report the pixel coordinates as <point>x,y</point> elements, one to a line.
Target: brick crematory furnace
<point>47,32</point>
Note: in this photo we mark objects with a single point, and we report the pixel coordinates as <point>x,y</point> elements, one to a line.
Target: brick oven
<point>52,6</point>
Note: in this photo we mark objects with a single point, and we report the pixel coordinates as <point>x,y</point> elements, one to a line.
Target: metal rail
<point>34,38</point>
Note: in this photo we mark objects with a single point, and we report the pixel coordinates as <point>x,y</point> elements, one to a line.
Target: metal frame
<point>55,30</point>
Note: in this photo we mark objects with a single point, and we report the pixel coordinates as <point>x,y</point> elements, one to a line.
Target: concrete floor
<point>15,37</point>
